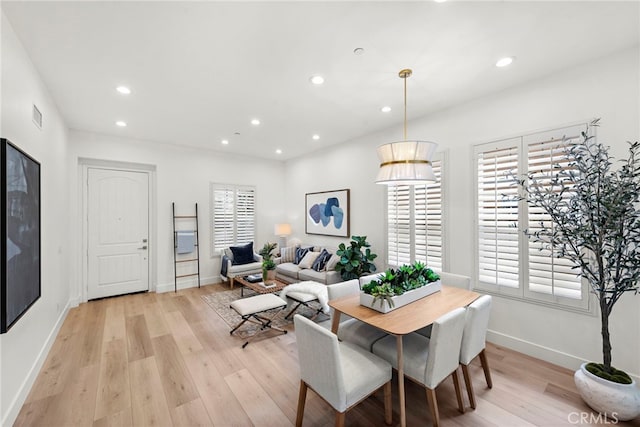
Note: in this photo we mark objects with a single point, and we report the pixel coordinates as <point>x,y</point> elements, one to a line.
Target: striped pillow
<point>288,254</point>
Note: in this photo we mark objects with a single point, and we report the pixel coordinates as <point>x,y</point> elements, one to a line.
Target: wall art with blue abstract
<point>327,213</point>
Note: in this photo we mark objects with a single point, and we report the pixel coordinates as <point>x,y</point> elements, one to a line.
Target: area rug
<point>220,302</point>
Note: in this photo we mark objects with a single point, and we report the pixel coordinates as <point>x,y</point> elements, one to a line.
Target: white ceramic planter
<point>400,300</point>
<point>617,401</point>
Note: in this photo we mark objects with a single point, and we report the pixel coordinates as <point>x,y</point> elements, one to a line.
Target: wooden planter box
<point>400,300</point>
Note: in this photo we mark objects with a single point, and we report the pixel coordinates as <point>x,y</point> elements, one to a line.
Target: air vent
<point>37,117</point>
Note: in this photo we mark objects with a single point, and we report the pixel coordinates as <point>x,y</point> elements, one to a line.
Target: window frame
<point>524,292</point>
<point>236,189</point>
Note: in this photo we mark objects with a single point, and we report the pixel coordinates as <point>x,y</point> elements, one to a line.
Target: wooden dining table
<point>403,320</point>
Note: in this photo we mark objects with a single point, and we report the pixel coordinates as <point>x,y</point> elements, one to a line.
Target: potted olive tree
<point>594,212</point>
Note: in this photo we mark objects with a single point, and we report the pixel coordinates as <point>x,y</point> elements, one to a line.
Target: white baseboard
<point>547,354</point>
<point>21,396</point>
<point>187,283</point>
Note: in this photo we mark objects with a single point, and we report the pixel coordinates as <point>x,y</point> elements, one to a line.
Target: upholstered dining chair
<point>350,329</point>
<point>341,373</point>
<point>449,279</point>
<point>429,362</point>
<point>474,341</point>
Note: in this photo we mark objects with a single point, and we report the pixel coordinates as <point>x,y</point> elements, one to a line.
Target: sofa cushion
<point>309,259</point>
<point>288,254</point>
<point>309,274</point>
<point>321,262</point>
<point>242,254</point>
<point>288,269</point>
<point>300,253</point>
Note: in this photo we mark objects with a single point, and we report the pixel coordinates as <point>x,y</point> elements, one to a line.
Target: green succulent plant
<point>397,282</point>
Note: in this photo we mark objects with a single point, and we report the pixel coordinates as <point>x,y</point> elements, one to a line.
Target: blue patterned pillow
<point>321,262</point>
<point>300,253</point>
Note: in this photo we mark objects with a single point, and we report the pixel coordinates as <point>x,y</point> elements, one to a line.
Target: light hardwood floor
<point>168,359</point>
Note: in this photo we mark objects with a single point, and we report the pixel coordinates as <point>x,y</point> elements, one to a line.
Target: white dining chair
<point>474,342</point>
<point>341,373</point>
<point>350,329</point>
<point>449,279</point>
<point>429,361</point>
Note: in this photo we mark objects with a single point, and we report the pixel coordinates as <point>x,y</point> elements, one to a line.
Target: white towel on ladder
<point>186,241</point>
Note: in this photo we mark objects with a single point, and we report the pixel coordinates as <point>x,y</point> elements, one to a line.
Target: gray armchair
<point>230,269</point>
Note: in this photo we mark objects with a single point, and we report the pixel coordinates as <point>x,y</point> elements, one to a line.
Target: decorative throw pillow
<point>333,261</point>
<point>242,254</point>
<point>321,262</point>
<point>300,253</point>
<point>309,259</point>
<point>287,254</point>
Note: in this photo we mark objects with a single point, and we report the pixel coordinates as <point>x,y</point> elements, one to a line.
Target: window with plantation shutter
<point>414,222</point>
<point>233,215</point>
<point>498,262</point>
<point>549,278</point>
<point>507,262</point>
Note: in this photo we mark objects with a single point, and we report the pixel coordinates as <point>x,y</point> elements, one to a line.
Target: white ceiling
<point>200,71</point>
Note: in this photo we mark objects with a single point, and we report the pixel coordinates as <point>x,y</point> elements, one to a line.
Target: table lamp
<point>282,231</point>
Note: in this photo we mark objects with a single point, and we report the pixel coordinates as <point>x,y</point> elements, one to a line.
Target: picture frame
<point>327,213</point>
<point>20,250</point>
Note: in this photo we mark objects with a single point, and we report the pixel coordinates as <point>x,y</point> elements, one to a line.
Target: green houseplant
<point>267,260</point>
<point>594,213</point>
<point>397,282</point>
<point>353,261</point>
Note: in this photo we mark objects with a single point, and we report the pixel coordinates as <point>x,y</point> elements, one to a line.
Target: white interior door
<point>118,232</point>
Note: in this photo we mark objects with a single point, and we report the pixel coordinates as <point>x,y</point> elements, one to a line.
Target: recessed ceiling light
<point>439,1</point>
<point>255,122</point>
<point>278,151</point>
<point>358,51</point>
<point>385,109</point>
<point>123,90</point>
<point>316,137</point>
<point>317,80</point>
<point>503,62</point>
<point>225,142</point>
<point>121,124</point>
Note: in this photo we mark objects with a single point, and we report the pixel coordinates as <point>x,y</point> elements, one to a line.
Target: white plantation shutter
<point>233,215</point>
<point>414,222</point>
<point>427,218</point>
<point>398,225</point>
<point>507,262</point>
<point>498,262</point>
<point>245,215</point>
<point>549,278</point>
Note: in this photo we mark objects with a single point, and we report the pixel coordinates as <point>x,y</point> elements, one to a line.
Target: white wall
<point>182,175</point>
<point>25,345</point>
<point>607,88</point>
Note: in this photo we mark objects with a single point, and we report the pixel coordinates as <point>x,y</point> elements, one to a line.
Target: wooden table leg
<point>335,322</point>
<point>403,415</point>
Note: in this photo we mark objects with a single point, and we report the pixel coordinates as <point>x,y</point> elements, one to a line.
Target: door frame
<point>84,164</point>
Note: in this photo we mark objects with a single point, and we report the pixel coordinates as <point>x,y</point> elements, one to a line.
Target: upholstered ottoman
<point>253,309</point>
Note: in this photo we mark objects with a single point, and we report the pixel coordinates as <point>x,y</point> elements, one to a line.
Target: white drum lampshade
<point>406,163</point>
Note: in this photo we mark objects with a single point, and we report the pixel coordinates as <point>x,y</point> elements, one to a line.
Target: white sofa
<point>290,273</point>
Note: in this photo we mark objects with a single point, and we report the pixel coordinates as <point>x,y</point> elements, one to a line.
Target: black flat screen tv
<point>20,240</point>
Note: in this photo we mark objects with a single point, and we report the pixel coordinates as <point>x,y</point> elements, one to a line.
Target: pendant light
<point>406,162</point>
